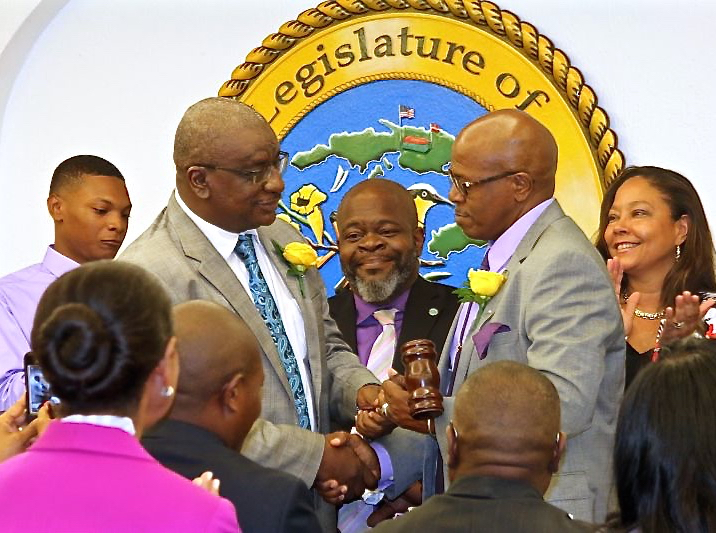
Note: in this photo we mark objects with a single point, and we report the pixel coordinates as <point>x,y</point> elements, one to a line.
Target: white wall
<point>113,78</point>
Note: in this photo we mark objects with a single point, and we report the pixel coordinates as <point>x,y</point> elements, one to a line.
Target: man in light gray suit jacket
<point>555,312</point>
<point>228,183</point>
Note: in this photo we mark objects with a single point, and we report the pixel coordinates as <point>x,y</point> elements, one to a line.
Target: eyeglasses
<point>463,185</point>
<point>256,177</point>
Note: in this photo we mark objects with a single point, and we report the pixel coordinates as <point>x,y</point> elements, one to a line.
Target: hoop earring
<point>678,252</point>
<point>167,392</point>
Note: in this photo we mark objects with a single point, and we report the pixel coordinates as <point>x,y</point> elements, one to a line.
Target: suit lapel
<point>525,246</point>
<point>216,271</point>
<point>417,320</point>
<point>343,311</point>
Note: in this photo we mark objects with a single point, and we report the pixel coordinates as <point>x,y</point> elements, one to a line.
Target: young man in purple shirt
<point>90,207</point>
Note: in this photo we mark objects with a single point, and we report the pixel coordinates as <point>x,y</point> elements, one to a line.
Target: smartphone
<point>37,390</point>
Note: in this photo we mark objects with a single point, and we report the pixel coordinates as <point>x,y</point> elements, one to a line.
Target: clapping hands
<point>616,273</point>
<point>680,321</point>
<point>685,317</point>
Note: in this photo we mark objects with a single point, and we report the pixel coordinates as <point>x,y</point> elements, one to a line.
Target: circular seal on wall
<point>363,89</point>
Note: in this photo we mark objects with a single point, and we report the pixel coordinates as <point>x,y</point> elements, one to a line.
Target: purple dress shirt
<point>368,328</point>
<point>498,254</point>
<point>20,293</point>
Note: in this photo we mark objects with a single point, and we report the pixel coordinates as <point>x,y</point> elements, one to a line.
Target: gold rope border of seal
<point>504,24</point>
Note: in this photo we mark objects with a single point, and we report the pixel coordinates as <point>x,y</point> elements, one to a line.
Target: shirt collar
<point>109,421</point>
<point>57,263</point>
<point>502,249</point>
<point>365,309</point>
<point>224,241</point>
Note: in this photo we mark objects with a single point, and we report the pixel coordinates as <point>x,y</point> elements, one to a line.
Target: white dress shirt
<point>224,242</point>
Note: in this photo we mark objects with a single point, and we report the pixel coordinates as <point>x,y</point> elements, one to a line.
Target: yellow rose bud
<point>301,254</point>
<point>484,283</point>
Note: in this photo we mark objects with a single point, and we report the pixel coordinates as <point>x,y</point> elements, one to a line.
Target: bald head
<point>509,140</point>
<point>399,197</point>
<point>214,345</point>
<point>504,164</point>
<point>199,136</point>
<point>507,413</point>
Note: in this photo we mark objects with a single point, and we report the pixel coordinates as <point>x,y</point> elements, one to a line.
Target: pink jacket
<point>84,478</point>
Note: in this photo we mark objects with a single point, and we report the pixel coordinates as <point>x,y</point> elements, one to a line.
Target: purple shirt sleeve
<point>20,293</point>
<point>13,346</point>
<point>386,466</point>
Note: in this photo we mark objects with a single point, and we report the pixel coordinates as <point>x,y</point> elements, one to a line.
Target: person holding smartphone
<point>104,339</point>
<point>90,207</point>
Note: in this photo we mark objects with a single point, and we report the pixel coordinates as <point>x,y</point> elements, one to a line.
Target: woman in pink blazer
<point>103,337</point>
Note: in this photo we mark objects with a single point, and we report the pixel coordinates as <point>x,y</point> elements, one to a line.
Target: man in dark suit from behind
<point>504,444</point>
<point>218,400</point>
<point>380,241</point>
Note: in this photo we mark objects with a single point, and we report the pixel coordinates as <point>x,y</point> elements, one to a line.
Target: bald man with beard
<point>218,400</point>
<point>556,311</point>
<point>504,444</point>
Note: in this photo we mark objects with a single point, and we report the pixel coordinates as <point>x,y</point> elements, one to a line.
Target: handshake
<point>349,465</point>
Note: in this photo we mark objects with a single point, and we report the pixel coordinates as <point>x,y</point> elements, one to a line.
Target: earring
<point>167,391</point>
<point>678,252</point>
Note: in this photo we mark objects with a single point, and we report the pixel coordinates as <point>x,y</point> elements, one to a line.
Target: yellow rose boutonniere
<point>480,287</point>
<point>485,283</point>
<point>299,256</point>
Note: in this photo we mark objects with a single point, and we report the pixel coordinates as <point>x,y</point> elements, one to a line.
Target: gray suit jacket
<point>190,268</point>
<point>563,320</point>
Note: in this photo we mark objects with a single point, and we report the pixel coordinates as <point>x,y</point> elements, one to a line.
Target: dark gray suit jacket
<point>429,312</point>
<point>266,500</point>
<point>478,504</point>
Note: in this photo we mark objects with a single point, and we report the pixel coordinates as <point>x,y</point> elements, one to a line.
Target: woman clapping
<point>655,237</point>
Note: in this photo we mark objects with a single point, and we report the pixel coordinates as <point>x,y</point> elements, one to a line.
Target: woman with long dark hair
<point>654,234</point>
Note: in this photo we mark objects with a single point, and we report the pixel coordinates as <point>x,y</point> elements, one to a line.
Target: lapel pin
<point>432,311</point>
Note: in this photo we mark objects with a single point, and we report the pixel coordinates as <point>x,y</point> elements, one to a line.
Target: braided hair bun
<point>98,333</point>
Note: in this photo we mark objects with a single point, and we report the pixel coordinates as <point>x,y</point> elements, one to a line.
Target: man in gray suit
<point>556,310</point>
<point>504,444</point>
<point>215,241</point>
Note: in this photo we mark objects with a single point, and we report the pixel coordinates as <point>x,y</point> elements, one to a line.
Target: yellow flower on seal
<point>485,283</point>
<point>300,254</point>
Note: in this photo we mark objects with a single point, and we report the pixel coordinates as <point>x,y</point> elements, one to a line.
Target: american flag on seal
<point>406,112</point>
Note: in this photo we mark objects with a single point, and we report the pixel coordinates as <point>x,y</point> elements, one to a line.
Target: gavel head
<point>422,378</point>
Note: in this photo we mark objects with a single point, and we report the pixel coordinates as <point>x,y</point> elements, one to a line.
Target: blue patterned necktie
<point>266,305</point>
